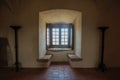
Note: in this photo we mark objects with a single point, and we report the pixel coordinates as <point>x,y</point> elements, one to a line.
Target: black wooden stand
<point>16,28</point>
<point>102,66</point>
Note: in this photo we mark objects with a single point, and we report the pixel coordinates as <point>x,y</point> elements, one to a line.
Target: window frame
<point>70,38</point>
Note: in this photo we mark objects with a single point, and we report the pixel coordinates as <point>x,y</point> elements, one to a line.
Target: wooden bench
<point>45,60</point>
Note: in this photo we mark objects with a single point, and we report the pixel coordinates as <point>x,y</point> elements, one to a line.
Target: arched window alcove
<point>60,17</point>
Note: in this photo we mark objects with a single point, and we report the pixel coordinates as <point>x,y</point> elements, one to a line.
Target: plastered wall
<point>94,14</point>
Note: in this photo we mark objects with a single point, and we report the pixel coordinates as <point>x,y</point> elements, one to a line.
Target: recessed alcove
<point>60,16</point>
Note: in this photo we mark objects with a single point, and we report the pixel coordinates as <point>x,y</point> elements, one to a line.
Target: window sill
<point>59,49</point>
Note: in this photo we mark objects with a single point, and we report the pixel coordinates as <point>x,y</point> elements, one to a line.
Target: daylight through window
<point>59,35</point>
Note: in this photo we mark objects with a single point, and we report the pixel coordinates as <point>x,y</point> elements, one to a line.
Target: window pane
<point>53,33</point>
<point>57,37</point>
<point>57,33</point>
<point>62,43</point>
<point>66,40</point>
<point>62,39</point>
<point>62,29</point>
<point>66,29</point>
<point>53,43</point>
<point>66,37</point>
<point>62,33</point>
<point>53,40</point>
<point>53,29</point>
<point>57,30</point>
<point>66,43</point>
<point>57,40</point>
<point>53,36</point>
<point>66,33</point>
<point>57,43</point>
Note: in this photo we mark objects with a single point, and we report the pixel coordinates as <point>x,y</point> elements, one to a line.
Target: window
<point>59,36</point>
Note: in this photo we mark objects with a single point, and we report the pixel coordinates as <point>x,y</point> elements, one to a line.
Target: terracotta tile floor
<point>59,72</point>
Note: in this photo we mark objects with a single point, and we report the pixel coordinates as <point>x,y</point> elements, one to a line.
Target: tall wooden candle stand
<point>102,66</point>
<point>16,28</point>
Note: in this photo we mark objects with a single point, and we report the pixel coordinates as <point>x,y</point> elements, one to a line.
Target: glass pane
<point>57,33</point>
<point>53,36</point>
<point>57,30</point>
<point>62,33</point>
<point>57,40</point>
<point>62,39</point>
<point>53,40</point>
<point>62,43</point>
<point>53,43</point>
<point>66,43</point>
<point>66,33</point>
<point>66,29</point>
<point>57,37</point>
<point>53,29</point>
<point>53,33</point>
<point>62,30</point>
<point>66,40</point>
<point>57,43</point>
<point>66,37</point>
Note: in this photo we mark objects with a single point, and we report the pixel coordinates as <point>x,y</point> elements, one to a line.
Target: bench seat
<point>73,57</point>
<point>45,58</point>
<point>45,61</point>
<point>74,60</point>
